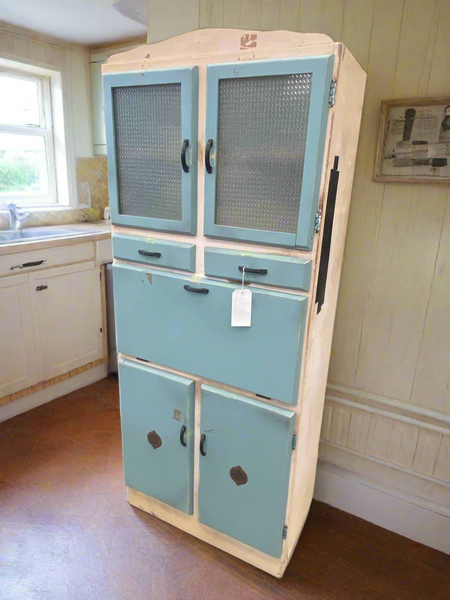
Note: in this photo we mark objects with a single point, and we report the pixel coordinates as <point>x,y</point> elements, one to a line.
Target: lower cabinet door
<point>68,317</point>
<point>157,411</point>
<point>246,449</point>
<point>18,369</point>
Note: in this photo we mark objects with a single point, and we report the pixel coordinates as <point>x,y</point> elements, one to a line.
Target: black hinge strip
<point>285,532</point>
<point>294,441</point>
<point>327,233</point>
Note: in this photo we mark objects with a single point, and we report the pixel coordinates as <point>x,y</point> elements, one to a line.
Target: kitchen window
<point>27,149</point>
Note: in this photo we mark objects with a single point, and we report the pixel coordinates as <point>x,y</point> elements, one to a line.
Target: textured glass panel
<point>261,143</point>
<point>147,122</point>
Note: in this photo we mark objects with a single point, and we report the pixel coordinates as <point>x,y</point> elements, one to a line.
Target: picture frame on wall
<point>414,141</point>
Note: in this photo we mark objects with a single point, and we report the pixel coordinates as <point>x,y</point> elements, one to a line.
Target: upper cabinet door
<point>265,135</point>
<point>151,137</point>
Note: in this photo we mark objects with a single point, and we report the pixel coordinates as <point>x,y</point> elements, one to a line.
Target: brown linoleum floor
<point>67,532</point>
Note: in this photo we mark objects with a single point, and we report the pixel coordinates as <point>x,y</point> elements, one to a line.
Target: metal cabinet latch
<point>332,98</point>
<point>317,221</point>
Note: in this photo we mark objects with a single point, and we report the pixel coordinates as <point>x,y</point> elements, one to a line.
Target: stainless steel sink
<point>9,237</point>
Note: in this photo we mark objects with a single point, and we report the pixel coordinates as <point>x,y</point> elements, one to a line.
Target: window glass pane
<point>19,101</point>
<point>23,164</point>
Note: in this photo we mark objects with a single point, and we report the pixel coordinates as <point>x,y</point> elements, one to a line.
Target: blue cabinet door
<point>265,135</point>
<point>151,137</point>
<point>162,317</point>
<point>157,411</point>
<point>244,468</point>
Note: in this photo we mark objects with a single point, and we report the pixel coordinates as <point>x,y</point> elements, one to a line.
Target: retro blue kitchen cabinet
<point>230,157</point>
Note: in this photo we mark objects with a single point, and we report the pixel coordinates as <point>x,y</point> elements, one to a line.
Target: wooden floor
<point>67,532</point>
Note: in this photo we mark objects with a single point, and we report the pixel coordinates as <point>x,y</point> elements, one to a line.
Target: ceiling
<point>86,22</point>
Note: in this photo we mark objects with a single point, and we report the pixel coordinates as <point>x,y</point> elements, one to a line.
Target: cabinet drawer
<point>247,448</point>
<point>159,320</point>
<point>173,255</point>
<point>32,260</point>
<point>157,414</point>
<point>284,271</point>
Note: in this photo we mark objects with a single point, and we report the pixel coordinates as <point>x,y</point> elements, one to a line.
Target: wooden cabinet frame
<point>204,48</point>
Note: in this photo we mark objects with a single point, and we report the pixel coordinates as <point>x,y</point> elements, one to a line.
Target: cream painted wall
<point>73,63</point>
<point>387,416</point>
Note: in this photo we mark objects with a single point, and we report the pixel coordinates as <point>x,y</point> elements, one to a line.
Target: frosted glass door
<point>151,123</point>
<point>265,134</point>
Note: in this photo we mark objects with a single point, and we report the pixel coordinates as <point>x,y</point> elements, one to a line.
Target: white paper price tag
<point>241,308</point>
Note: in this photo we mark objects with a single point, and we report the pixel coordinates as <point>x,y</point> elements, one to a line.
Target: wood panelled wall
<point>387,416</point>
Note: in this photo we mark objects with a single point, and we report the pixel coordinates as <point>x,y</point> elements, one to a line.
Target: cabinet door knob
<point>182,433</point>
<point>39,288</point>
<point>202,444</point>
<point>154,439</point>
<point>183,156</point>
<point>208,166</point>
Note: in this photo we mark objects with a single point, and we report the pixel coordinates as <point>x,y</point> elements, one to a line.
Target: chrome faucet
<point>16,216</point>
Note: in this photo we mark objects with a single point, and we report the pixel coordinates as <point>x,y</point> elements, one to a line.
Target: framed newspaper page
<point>414,141</point>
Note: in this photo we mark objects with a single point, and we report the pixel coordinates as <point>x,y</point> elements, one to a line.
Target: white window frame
<point>45,130</point>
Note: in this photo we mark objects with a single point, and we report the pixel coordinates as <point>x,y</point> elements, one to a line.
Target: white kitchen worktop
<point>67,234</point>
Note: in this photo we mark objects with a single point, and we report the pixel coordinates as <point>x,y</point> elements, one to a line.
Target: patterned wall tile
<point>92,189</point>
<point>92,182</point>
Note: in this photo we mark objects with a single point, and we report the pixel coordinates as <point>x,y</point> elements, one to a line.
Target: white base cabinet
<point>51,319</point>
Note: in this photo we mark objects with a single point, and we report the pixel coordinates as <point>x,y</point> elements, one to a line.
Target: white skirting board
<point>402,513</point>
<point>21,405</point>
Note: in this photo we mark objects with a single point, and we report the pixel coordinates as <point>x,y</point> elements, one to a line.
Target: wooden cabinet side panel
<point>344,141</point>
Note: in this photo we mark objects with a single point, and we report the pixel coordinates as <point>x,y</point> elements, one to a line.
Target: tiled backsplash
<point>92,182</point>
<point>92,189</point>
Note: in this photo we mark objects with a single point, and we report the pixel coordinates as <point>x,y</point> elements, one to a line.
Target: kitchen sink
<point>21,235</point>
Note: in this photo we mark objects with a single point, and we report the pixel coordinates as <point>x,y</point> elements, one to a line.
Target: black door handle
<point>202,444</point>
<point>34,263</point>
<point>182,433</point>
<point>183,156</point>
<point>196,290</point>
<point>208,166</point>
<point>253,271</point>
<point>39,288</point>
<point>146,253</point>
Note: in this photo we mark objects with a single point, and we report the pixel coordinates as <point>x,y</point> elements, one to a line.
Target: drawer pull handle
<point>146,253</point>
<point>39,288</point>
<point>253,271</point>
<point>196,290</point>
<point>34,263</point>
<point>182,433</point>
<point>208,166</point>
<point>183,156</point>
<point>202,444</point>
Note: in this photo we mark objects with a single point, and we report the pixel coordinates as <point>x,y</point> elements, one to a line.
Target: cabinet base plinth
<point>189,524</point>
